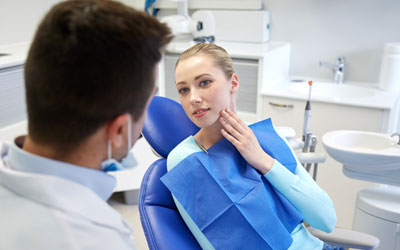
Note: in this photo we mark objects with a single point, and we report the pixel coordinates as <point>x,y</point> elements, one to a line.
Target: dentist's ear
<point>235,84</point>
<point>116,130</point>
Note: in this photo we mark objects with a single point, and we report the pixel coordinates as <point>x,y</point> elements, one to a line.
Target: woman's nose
<point>195,97</point>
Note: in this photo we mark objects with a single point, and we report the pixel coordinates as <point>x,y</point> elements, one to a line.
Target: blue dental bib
<point>233,205</point>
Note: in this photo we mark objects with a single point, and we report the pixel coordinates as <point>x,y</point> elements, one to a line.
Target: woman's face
<point>204,89</point>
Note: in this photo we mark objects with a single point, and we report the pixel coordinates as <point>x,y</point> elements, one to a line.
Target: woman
<point>207,86</point>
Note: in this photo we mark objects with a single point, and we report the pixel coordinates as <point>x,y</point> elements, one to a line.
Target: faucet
<point>396,134</point>
<point>337,69</point>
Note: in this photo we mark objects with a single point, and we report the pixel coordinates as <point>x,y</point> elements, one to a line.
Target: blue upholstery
<point>162,224</point>
<point>165,127</point>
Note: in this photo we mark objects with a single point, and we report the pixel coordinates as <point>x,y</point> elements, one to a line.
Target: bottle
<point>389,77</point>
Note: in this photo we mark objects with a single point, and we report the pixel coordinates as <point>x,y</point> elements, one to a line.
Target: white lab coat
<point>43,212</point>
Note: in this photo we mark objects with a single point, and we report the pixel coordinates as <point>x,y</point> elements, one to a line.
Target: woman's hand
<point>243,138</point>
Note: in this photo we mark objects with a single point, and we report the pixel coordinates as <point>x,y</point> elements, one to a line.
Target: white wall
<point>325,29</point>
<point>20,18</point>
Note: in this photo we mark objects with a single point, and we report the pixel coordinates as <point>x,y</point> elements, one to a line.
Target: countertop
<point>16,54</point>
<point>341,95</point>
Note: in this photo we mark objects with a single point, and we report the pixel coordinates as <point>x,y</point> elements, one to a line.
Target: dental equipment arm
<point>307,114</point>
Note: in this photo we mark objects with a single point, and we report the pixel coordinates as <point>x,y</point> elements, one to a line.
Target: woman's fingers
<point>229,137</point>
<point>243,138</point>
<point>229,128</point>
<point>236,117</point>
<point>234,121</point>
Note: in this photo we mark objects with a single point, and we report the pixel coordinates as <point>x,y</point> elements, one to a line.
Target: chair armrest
<point>295,143</point>
<point>346,238</point>
<point>311,157</point>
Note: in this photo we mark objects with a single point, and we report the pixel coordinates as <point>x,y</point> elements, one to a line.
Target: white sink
<point>365,155</point>
<point>323,89</point>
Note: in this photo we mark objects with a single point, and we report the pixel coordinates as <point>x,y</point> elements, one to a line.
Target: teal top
<point>299,188</point>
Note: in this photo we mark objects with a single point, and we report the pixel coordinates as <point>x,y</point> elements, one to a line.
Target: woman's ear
<point>234,89</point>
<point>235,84</point>
<point>115,130</point>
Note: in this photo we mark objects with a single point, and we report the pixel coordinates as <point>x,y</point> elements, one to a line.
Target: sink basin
<point>322,89</point>
<point>365,155</point>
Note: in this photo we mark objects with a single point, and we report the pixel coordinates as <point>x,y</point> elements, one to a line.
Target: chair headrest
<point>166,125</point>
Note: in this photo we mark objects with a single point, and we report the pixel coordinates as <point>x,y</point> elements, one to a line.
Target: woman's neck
<point>208,136</point>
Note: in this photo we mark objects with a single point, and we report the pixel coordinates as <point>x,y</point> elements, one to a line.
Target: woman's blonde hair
<point>218,54</point>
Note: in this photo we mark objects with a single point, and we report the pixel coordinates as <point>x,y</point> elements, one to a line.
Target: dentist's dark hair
<point>90,61</point>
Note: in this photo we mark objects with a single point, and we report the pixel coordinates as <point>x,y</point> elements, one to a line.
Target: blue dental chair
<point>165,127</point>
<point>162,224</point>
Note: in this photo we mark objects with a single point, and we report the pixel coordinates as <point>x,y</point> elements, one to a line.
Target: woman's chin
<point>203,123</point>
<point>200,124</point>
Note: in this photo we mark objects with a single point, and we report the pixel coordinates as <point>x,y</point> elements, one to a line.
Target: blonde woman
<point>238,187</point>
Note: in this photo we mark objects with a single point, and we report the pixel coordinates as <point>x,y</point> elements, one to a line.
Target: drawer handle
<point>288,106</point>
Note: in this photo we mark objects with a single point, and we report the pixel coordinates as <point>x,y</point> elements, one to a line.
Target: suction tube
<point>307,114</point>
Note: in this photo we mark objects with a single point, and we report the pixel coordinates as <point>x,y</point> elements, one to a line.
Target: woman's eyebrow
<point>205,74</point>
<point>180,83</point>
<point>197,77</point>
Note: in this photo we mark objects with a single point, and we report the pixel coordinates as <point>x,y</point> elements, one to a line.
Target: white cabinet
<point>255,64</point>
<point>12,89</point>
<point>12,95</point>
<point>378,213</point>
<point>388,232</point>
<point>324,116</point>
<point>327,117</point>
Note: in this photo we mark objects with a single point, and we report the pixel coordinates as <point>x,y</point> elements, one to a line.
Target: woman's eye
<point>205,82</point>
<point>183,90</point>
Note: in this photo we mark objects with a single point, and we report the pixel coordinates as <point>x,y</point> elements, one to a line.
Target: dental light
<point>200,25</point>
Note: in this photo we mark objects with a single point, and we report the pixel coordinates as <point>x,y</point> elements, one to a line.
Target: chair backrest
<point>165,127</point>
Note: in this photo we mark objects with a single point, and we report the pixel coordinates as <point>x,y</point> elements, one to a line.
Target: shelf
<point>212,4</point>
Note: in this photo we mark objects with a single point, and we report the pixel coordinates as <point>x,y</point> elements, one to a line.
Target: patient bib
<point>233,205</point>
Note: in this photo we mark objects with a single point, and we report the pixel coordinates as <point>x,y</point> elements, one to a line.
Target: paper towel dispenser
<point>241,26</point>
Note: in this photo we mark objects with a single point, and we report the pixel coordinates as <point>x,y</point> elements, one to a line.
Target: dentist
<point>89,77</point>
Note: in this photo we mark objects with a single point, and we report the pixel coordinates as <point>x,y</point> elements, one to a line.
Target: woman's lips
<point>200,112</point>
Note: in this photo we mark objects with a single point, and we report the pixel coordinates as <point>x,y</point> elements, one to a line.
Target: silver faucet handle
<point>341,59</point>
<point>339,73</point>
<point>337,69</point>
<point>340,63</point>
<point>394,134</point>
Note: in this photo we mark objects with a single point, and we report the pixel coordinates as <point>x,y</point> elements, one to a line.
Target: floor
<point>131,214</point>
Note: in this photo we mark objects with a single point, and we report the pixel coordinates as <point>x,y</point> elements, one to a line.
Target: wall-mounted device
<point>241,26</point>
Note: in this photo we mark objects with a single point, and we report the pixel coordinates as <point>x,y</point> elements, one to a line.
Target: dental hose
<point>307,114</point>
